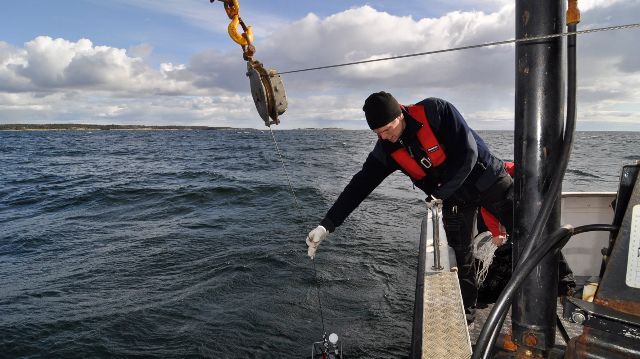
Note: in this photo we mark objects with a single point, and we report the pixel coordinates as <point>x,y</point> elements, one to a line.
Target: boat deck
<point>440,329</point>
<point>572,329</point>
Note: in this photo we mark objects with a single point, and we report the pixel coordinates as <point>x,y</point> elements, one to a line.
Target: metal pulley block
<point>268,92</point>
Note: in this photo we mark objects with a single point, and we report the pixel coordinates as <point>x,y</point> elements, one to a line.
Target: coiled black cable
<point>555,242</point>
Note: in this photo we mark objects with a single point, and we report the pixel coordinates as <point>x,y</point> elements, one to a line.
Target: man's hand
<point>499,240</point>
<point>314,238</point>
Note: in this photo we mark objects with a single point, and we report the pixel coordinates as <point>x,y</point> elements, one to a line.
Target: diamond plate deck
<point>444,330</point>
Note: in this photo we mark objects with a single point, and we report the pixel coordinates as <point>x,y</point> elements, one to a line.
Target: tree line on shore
<point>76,126</point>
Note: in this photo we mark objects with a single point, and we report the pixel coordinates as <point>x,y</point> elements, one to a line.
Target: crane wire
<point>487,44</point>
<point>295,199</point>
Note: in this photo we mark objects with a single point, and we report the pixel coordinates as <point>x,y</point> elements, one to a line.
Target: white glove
<point>314,238</point>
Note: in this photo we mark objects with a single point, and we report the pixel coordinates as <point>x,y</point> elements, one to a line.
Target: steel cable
<point>295,199</point>
<point>504,42</point>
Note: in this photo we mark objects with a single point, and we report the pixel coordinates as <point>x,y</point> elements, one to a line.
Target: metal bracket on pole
<point>435,206</point>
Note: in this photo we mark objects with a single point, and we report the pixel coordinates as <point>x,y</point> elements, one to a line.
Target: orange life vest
<point>435,153</point>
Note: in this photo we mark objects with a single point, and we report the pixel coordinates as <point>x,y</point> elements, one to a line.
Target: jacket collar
<point>412,126</point>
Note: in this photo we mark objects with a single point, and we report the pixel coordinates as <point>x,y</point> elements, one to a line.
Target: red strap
<point>402,158</point>
<point>491,222</point>
<point>510,167</point>
<point>426,137</point>
<point>429,142</point>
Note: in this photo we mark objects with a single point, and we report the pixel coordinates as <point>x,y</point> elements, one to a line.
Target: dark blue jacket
<point>469,162</point>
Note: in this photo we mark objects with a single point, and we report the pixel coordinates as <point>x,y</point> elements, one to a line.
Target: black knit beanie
<point>380,108</point>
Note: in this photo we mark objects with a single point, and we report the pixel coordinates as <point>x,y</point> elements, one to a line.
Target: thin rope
<point>484,251</point>
<point>504,42</point>
<point>295,199</point>
<point>315,273</point>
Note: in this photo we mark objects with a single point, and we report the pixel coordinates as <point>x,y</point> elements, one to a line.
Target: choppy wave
<point>580,173</point>
<point>190,243</point>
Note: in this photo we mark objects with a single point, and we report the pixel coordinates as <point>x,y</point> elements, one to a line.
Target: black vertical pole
<point>539,118</point>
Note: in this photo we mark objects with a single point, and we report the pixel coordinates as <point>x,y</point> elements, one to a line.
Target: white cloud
<point>11,59</point>
<point>141,50</point>
<point>380,35</point>
<point>586,5</point>
<point>50,65</point>
<point>88,107</point>
<point>478,81</point>
<point>363,33</point>
<point>118,85</point>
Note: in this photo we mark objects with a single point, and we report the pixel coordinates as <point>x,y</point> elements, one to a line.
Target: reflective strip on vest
<point>429,143</point>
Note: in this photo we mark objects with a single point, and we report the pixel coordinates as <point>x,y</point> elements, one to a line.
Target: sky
<point>172,62</point>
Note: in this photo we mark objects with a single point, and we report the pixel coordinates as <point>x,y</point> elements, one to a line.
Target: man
<point>500,268</point>
<point>432,144</point>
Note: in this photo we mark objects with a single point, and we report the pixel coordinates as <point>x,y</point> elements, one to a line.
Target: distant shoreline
<point>89,127</point>
<point>86,127</point>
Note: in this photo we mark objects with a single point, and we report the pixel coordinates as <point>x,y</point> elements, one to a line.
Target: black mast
<point>539,118</point>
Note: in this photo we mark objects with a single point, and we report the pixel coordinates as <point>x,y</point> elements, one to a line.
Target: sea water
<point>191,244</point>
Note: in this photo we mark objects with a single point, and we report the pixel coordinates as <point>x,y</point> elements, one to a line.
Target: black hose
<point>595,227</point>
<point>485,340</point>
<point>562,330</point>
<point>558,175</point>
<point>556,241</point>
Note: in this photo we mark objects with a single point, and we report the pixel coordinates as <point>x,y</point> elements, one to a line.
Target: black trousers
<point>459,214</point>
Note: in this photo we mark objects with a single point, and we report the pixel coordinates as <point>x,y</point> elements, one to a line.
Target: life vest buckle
<point>426,162</point>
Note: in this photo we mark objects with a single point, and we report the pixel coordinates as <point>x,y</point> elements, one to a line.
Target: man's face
<point>391,131</point>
